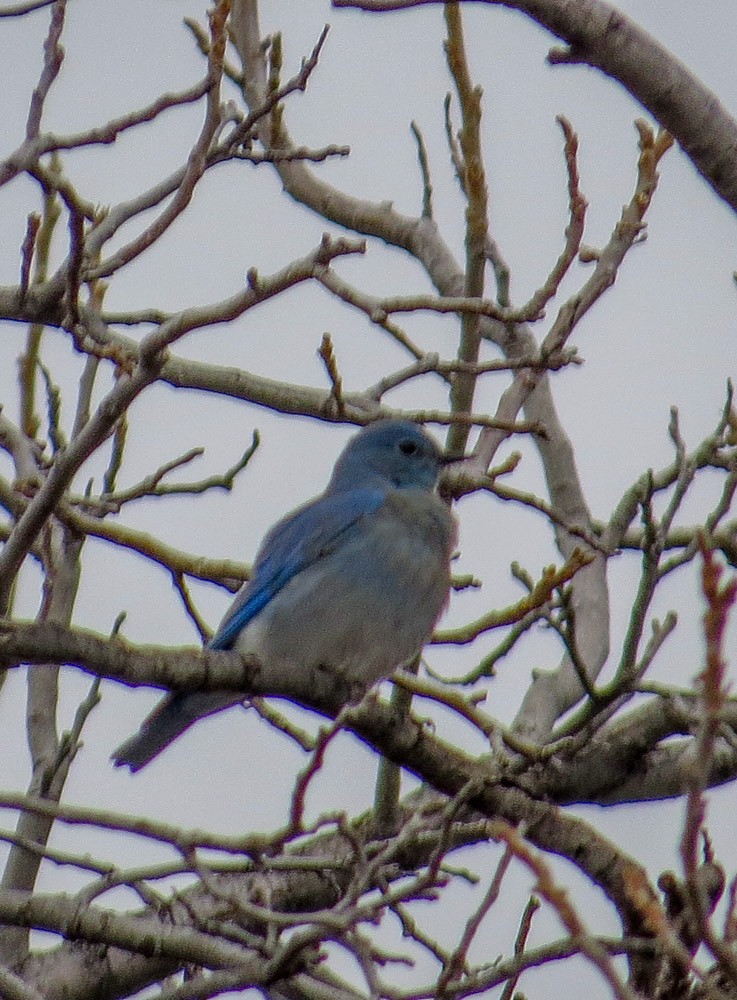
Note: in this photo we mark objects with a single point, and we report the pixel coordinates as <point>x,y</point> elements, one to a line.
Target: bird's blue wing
<point>309,534</point>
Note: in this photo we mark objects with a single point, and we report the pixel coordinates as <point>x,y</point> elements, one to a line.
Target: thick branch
<point>403,740</point>
<point>599,35</point>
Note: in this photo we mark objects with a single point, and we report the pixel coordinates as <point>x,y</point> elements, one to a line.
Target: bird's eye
<point>408,447</point>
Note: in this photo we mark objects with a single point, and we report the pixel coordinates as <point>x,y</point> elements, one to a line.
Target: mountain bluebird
<point>353,581</point>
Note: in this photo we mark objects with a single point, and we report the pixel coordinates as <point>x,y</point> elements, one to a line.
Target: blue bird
<point>353,581</point>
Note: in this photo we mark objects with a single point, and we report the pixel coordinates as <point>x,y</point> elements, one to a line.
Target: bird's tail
<point>167,721</point>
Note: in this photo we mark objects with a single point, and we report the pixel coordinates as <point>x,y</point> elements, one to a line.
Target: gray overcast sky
<point>665,335</point>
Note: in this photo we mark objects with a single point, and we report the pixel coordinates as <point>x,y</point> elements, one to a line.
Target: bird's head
<point>393,452</point>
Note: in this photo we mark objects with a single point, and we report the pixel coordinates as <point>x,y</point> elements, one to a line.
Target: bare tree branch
<point>598,34</point>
